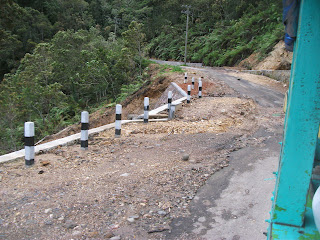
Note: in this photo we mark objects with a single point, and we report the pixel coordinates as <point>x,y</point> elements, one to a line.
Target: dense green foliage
<point>73,71</point>
<point>222,32</point>
<point>24,23</point>
<point>233,31</point>
<point>58,57</point>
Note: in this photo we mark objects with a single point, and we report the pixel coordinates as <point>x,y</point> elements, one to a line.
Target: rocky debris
<point>69,224</point>
<point>130,220</point>
<point>185,157</point>
<point>115,238</point>
<point>44,163</point>
<point>106,235</point>
<point>158,229</point>
<point>48,222</point>
<point>48,210</point>
<point>162,213</point>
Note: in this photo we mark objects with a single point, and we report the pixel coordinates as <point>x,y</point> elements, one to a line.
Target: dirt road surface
<point>205,175</point>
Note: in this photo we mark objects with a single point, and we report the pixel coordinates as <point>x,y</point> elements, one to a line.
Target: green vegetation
<point>168,68</point>
<point>72,72</point>
<point>233,32</point>
<point>59,57</point>
<point>176,69</point>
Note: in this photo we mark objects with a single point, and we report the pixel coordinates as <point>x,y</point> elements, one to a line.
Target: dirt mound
<point>153,89</point>
<point>133,186</point>
<point>278,59</point>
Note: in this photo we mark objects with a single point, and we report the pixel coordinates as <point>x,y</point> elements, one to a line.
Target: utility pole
<point>116,23</point>
<point>187,26</point>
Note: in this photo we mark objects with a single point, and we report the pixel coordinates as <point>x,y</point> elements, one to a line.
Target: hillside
<point>59,57</point>
<point>278,59</point>
<point>159,77</point>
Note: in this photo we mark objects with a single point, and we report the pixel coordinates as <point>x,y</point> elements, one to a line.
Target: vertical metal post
<point>172,111</point>
<point>169,100</point>
<point>185,77</point>
<point>146,110</point>
<point>84,130</point>
<point>200,88</point>
<point>301,123</point>
<point>192,82</point>
<point>189,94</point>
<point>29,143</point>
<point>118,121</point>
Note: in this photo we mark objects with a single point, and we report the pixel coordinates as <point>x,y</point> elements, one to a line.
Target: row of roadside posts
<point>192,87</point>
<point>84,135</point>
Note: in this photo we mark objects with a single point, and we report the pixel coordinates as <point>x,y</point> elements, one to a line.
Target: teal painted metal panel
<point>318,149</point>
<point>308,231</point>
<point>302,121</point>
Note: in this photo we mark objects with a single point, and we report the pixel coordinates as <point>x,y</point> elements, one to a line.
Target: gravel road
<point>168,180</point>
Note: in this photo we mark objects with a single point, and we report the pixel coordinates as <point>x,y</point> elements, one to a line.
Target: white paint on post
<point>185,77</point>
<point>84,130</point>
<point>189,94</point>
<point>169,100</point>
<point>118,120</point>
<point>146,110</point>
<point>192,82</point>
<point>200,88</point>
<point>29,143</point>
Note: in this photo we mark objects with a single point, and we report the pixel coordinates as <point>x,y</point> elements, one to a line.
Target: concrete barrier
<point>70,140</point>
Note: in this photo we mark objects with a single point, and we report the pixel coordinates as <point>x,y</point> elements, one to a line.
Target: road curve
<point>234,202</point>
<point>262,95</point>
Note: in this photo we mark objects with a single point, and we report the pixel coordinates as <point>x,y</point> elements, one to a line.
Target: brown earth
<point>134,186</point>
<point>278,59</point>
<point>132,105</point>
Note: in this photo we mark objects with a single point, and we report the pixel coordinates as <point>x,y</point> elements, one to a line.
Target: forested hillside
<point>58,57</point>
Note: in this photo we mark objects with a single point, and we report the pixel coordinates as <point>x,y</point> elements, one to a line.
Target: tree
<point>73,14</point>
<point>134,41</point>
<point>20,30</point>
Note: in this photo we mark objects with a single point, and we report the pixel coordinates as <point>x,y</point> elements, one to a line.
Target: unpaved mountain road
<point>138,186</point>
<point>235,202</point>
<point>260,93</point>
